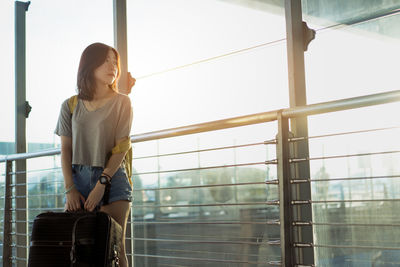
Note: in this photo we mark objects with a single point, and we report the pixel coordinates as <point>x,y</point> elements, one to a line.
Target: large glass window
<point>198,61</point>
<point>7,78</point>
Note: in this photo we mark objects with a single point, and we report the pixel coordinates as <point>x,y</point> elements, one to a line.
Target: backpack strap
<point>72,102</point>
<point>125,146</point>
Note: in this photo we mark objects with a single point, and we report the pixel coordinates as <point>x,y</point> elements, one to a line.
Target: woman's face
<point>107,72</point>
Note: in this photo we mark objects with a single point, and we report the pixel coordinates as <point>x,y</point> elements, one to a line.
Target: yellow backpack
<point>124,146</point>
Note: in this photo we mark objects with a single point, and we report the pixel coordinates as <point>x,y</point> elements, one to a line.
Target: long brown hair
<point>93,57</point>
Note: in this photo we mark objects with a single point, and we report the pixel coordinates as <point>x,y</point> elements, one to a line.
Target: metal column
<point>296,40</point>
<point>120,42</point>
<point>21,113</point>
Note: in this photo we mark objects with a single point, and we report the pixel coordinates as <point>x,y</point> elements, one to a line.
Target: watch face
<point>103,180</point>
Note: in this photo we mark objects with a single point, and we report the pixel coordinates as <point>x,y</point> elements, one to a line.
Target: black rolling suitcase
<point>74,239</point>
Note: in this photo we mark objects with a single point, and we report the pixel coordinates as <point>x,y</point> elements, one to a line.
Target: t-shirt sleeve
<point>124,123</point>
<point>63,127</point>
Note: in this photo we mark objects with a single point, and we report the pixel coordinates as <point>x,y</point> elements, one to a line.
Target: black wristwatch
<point>105,180</point>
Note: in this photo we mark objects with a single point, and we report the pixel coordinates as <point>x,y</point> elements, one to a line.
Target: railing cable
<point>211,58</point>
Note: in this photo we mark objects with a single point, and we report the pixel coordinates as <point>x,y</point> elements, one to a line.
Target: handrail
<point>343,104</point>
<point>313,109</point>
<point>29,155</point>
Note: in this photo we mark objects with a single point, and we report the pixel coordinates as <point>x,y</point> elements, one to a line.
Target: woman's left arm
<point>115,160</point>
<point>111,168</point>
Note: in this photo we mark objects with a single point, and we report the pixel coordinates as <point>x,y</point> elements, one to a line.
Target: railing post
<point>7,225</point>
<point>297,39</point>
<point>285,208</point>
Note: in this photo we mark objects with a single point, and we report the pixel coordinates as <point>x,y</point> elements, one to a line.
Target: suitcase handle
<point>73,248</point>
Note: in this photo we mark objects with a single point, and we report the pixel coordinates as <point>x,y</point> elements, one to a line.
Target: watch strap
<point>106,195</point>
<point>106,175</point>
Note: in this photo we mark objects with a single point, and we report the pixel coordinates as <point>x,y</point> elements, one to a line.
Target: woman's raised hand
<point>131,82</point>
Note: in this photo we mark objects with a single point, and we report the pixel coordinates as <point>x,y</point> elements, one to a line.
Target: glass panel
<point>57,33</point>
<point>354,179</point>
<point>45,185</point>
<point>216,212</point>
<point>345,12</point>
<point>352,59</point>
<point>7,78</point>
<point>189,39</point>
<point>358,257</point>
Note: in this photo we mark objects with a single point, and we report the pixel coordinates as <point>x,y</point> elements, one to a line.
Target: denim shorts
<point>86,177</point>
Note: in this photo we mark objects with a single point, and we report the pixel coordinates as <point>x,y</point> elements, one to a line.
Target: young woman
<point>101,120</point>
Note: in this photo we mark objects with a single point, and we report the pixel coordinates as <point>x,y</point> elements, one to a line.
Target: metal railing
<point>287,221</point>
